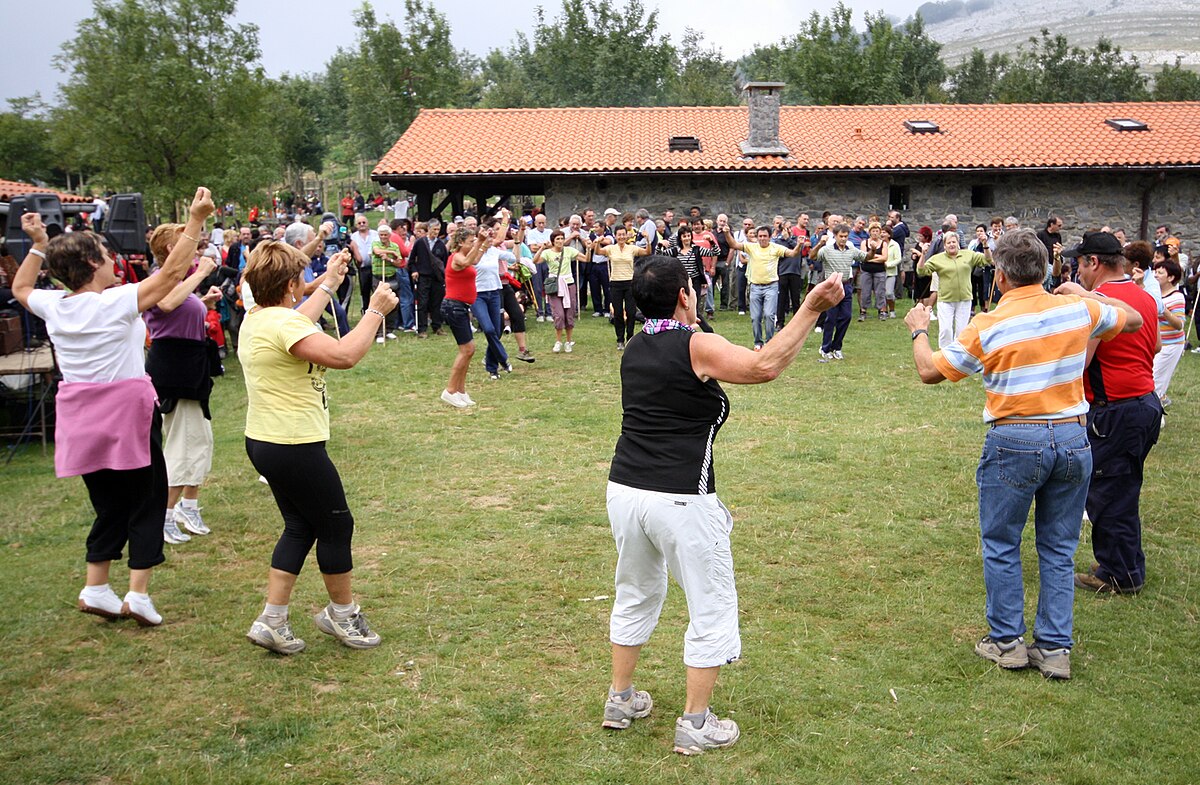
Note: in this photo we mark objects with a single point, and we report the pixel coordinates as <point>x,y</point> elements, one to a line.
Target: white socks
<point>275,615</point>
<point>342,612</point>
<point>190,504</point>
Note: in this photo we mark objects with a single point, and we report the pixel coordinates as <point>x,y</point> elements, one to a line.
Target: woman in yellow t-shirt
<point>284,356</point>
<point>620,281</point>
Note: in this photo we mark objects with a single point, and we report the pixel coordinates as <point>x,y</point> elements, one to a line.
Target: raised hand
<point>31,224</point>
<point>202,204</point>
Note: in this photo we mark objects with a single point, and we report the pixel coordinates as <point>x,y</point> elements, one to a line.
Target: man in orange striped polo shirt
<point>1031,350</point>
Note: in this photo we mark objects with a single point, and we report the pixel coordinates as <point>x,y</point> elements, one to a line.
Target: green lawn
<point>482,540</point>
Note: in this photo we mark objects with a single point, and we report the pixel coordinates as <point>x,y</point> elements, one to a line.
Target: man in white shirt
<point>537,238</point>
<point>360,248</point>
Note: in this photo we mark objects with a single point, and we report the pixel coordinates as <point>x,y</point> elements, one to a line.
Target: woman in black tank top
<point>662,501</point>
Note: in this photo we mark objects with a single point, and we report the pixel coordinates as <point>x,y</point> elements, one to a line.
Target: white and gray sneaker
<point>189,518</point>
<point>714,734</point>
<point>620,714</point>
<point>172,535</point>
<point>353,631</point>
<point>280,640</point>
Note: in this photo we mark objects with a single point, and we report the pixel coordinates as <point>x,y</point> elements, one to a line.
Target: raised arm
<point>733,243</point>
<point>1133,318</point>
<point>322,349</point>
<point>176,296</point>
<point>156,287</point>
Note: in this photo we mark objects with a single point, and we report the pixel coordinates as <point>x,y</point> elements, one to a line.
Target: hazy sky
<point>35,35</point>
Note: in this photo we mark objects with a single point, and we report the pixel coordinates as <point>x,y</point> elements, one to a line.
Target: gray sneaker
<point>171,533</point>
<point>190,519</point>
<point>714,734</point>
<point>280,640</point>
<point>619,714</point>
<point>1012,655</point>
<point>352,631</point>
<point>1053,663</point>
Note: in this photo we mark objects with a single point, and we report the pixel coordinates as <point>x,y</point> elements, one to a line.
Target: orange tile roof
<point>12,188</point>
<point>596,140</point>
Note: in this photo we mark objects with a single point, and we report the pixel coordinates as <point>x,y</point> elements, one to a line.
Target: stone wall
<point>1083,201</point>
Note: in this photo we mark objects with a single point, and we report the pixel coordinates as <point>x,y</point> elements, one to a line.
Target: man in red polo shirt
<point>1123,422</point>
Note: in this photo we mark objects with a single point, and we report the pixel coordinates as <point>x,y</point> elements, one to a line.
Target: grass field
<point>484,558</point>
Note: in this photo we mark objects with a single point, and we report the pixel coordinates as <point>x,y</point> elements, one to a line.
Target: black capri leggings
<point>309,493</point>
<point>516,314</point>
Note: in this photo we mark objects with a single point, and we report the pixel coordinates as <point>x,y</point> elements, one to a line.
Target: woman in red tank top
<point>466,247</point>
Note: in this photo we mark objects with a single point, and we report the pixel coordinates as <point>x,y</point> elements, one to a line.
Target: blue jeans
<point>486,310</point>
<point>1049,466</point>
<point>401,284</point>
<point>764,302</point>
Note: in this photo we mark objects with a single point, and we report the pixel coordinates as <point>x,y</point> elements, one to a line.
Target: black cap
<point>1099,243</point>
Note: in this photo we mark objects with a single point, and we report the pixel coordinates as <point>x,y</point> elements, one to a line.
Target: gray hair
<point>1022,257</point>
<point>297,233</point>
<point>1011,221</point>
<point>642,214</point>
<point>951,218</point>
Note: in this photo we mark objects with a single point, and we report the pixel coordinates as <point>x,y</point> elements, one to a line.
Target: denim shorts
<point>457,316</point>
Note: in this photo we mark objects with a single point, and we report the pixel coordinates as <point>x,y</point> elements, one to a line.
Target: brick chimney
<point>764,102</point>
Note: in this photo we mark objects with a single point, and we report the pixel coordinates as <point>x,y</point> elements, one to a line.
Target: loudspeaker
<point>125,224</point>
<point>52,216</point>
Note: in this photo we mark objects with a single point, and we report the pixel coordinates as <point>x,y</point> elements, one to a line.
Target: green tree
<point>395,72</point>
<point>593,54</point>
<point>26,151</point>
<point>298,126</point>
<point>922,70</point>
<point>704,77</point>
<point>1051,70</point>
<point>1175,83</point>
<point>976,79</point>
<point>165,95</point>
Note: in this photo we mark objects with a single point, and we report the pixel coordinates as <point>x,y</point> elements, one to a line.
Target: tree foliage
<point>1175,83</point>
<point>162,95</point>
<point>703,77</point>
<point>26,151</point>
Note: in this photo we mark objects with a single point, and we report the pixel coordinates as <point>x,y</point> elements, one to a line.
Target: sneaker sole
<point>140,619</point>
<point>193,529</point>
<point>268,647</point>
<point>694,750</point>
<point>85,608</point>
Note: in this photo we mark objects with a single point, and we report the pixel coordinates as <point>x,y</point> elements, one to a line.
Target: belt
<point>1119,401</point>
<point>1081,419</point>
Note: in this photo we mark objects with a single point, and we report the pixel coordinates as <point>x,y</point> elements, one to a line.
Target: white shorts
<point>187,444</point>
<point>689,535</point>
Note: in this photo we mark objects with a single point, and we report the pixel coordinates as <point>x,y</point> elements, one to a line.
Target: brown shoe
<point>1086,580</point>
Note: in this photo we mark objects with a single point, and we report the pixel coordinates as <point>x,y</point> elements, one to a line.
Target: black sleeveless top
<point>670,417</point>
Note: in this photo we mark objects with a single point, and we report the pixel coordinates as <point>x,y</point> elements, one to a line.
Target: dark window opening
<point>983,196</point>
<point>1127,124</point>
<point>922,126</point>
<point>684,143</point>
<point>898,197</point>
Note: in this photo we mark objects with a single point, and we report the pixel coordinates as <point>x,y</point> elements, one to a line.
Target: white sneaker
<point>280,640</point>
<point>454,400</point>
<point>391,336</point>
<point>933,317</point>
<point>818,330</point>
<point>191,520</point>
<point>825,357</point>
<point>380,340</point>
<point>541,318</point>
<point>353,631</point>
<point>568,346</point>
<point>106,603</point>
<point>462,396</point>
<point>838,355</point>
<point>172,535</point>
<point>714,734</point>
<point>741,313</point>
<point>557,347</point>
<point>141,610</point>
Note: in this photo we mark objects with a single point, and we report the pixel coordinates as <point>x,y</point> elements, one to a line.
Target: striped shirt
<point>1172,302</point>
<point>840,260</point>
<point>1031,350</point>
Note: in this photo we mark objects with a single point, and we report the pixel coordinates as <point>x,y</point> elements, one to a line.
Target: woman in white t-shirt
<point>108,425</point>
<point>284,355</point>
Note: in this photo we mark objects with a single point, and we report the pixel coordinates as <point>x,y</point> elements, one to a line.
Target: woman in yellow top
<point>564,302</point>
<point>620,282</point>
<point>284,356</point>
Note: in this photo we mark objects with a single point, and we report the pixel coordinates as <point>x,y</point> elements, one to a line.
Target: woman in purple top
<point>179,366</point>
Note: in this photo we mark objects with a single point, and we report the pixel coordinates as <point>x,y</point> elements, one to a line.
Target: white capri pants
<point>687,534</point>
<point>1165,363</point>
<point>952,318</point>
<point>187,444</point>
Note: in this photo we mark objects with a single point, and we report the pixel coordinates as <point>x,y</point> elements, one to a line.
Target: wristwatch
<point>922,331</point>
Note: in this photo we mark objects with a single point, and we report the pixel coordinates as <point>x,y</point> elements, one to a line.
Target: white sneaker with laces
<point>454,400</point>
<point>557,347</point>
<point>353,631</point>
<point>714,734</point>
<point>141,609</point>
<point>172,535</point>
<point>105,603</point>
<point>191,520</point>
<point>280,640</point>
<point>569,346</point>
<point>466,399</point>
<point>837,355</point>
<point>619,714</point>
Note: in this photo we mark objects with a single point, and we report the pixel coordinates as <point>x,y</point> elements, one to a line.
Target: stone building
<point>1131,165</point>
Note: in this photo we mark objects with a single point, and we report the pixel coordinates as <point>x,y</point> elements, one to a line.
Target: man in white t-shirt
<point>360,248</point>
<point>537,238</point>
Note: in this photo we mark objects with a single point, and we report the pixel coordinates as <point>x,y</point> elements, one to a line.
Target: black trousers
<point>791,295</point>
<point>365,286</point>
<point>130,505</point>
<point>624,309</point>
<point>601,288</point>
<point>1121,436</point>
<point>312,502</point>
<point>430,293</point>
<point>516,314</point>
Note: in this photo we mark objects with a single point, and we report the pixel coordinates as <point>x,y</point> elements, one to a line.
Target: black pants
<point>624,309</point>
<point>129,505</point>
<point>516,314</point>
<point>430,293</point>
<point>601,288</point>
<point>365,287</point>
<point>583,274</point>
<point>1121,436</point>
<point>743,288</point>
<point>791,295</point>
<point>309,493</point>
<point>722,277</point>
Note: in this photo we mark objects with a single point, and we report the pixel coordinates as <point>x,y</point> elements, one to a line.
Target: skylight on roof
<point>922,126</point>
<point>683,143</point>
<point>1127,124</point>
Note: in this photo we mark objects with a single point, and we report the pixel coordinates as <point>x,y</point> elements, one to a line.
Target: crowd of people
<point>1076,342</point>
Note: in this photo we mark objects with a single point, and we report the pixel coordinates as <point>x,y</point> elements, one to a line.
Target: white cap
<point>611,211</point>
